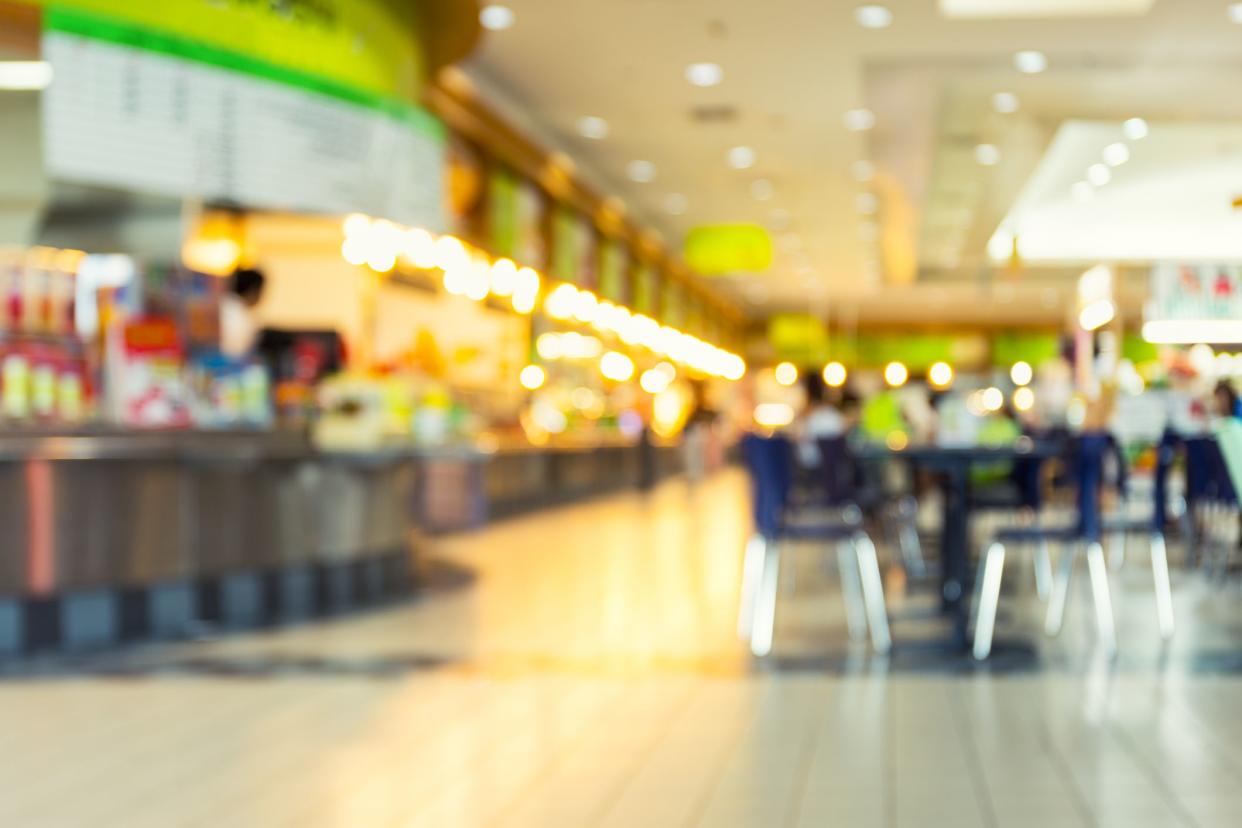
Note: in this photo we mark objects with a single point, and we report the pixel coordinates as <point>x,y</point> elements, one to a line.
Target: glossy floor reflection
<point>580,668</point>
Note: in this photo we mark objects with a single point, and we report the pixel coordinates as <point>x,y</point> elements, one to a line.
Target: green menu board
<point>612,262</point>
<point>645,287</point>
<point>502,204</point>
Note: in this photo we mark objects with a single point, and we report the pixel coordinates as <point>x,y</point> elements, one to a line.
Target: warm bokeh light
<point>774,415</point>
<point>1023,399</point>
<point>504,277</point>
<point>616,366</point>
<point>992,398</point>
<point>533,377</point>
<point>835,375</point>
<point>1021,373</point>
<point>896,374</point>
<point>786,373</point>
<point>940,375</point>
<point>654,381</point>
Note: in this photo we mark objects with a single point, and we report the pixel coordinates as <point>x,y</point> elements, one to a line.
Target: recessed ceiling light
<point>25,75</point>
<point>1006,103</point>
<point>873,17</point>
<point>741,158</point>
<point>1099,175</point>
<point>780,218</point>
<point>496,18</point>
<point>1082,191</point>
<point>1116,154</point>
<point>1030,62</point>
<point>644,172</point>
<point>593,127</point>
<point>676,204</point>
<point>790,242</point>
<point>869,231</point>
<point>859,120</point>
<point>704,74</point>
<point>1135,129</point>
<point>867,204</point>
<point>863,171</point>
<point>1235,12</point>
<point>762,189</point>
<point>987,154</point>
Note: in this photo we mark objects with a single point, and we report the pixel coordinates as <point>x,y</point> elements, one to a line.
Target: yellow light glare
<point>504,277</point>
<point>549,347</point>
<point>654,381</point>
<point>786,373</point>
<point>480,282</point>
<point>1024,399</point>
<point>992,399</point>
<point>381,258</point>
<point>940,375</point>
<point>450,253</point>
<point>835,375</point>
<point>896,374</point>
<point>1021,373</point>
<point>524,302</point>
<point>897,440</point>
<point>356,224</point>
<point>774,415</point>
<point>735,368</point>
<point>1097,314</point>
<point>354,250</point>
<point>532,377</point>
<point>616,366</point>
<point>586,306</point>
<point>561,302</point>
<point>419,248</point>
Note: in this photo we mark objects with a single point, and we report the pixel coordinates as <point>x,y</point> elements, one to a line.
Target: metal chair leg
<point>989,597</point>
<point>1101,596</point>
<point>1043,570</point>
<point>1164,591</point>
<point>851,591</point>
<point>977,592</point>
<point>1060,591</point>
<point>873,592</point>
<point>765,609</point>
<point>908,539</point>
<point>1116,550</point>
<point>752,575</point>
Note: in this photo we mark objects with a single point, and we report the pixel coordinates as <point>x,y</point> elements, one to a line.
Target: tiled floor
<point>580,668</point>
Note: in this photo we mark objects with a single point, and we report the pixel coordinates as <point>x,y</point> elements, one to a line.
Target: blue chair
<point>1087,463</point>
<point>770,463</point>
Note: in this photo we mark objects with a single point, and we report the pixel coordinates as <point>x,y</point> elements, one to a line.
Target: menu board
<point>122,116</point>
<point>1196,292</point>
<point>612,261</point>
<point>645,288</point>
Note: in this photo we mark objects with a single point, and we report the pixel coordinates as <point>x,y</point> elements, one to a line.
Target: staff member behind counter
<point>239,326</point>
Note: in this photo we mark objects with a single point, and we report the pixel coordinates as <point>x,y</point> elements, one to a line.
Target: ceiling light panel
<point>1043,8</point>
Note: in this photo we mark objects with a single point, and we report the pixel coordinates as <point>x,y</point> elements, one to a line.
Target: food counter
<point>112,536</point>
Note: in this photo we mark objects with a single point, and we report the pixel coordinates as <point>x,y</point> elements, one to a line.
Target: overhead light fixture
<point>25,75</point>
<point>1030,62</point>
<point>1235,12</point>
<point>644,172</point>
<point>741,158</point>
<point>1006,103</point>
<point>867,204</point>
<point>1193,331</point>
<point>1135,129</point>
<point>873,17</point>
<point>896,374</point>
<point>1116,154</point>
<point>988,155</point>
<point>859,120</point>
<point>863,171</point>
<point>940,375</point>
<point>676,204</point>
<point>835,375</point>
<point>1082,191</point>
<point>762,189</point>
<point>1022,373</point>
<point>705,74</point>
<point>497,18</point>
<point>1099,175</point>
<point>1097,314</point>
<point>786,374</point>
<point>593,127</point>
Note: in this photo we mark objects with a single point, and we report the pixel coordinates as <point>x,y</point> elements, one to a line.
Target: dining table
<point>952,465</point>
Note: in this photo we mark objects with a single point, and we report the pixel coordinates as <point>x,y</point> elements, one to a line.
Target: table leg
<point>954,552</point>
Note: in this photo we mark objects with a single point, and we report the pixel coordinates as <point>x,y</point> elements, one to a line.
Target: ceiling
<point>793,68</point>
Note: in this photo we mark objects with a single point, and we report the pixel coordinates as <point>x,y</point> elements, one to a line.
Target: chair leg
<point>989,597</point>
<point>977,592</point>
<point>873,592</point>
<point>752,575</point>
<point>1043,570</point>
<point>1104,621</point>
<point>1164,591</point>
<point>1116,550</point>
<point>851,591</point>
<point>1060,591</point>
<point>765,609</point>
